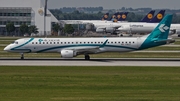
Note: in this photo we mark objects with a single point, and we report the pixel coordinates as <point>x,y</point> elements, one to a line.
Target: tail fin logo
<point>150,16</point>
<point>159,16</point>
<point>119,16</point>
<point>105,16</point>
<point>163,28</point>
<point>124,16</point>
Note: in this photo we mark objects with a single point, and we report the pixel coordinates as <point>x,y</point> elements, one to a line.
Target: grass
<point>22,83</point>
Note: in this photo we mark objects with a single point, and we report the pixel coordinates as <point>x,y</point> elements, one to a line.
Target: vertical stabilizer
<point>159,36</point>
<point>148,16</point>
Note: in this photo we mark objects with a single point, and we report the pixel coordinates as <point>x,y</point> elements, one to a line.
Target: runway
<point>168,62</point>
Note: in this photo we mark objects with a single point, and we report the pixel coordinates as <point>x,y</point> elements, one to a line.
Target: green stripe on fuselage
<point>88,45</point>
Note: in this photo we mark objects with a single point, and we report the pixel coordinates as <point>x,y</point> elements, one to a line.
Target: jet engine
<point>174,31</point>
<point>68,53</point>
<point>100,30</point>
<point>178,32</point>
<point>171,32</point>
<point>105,29</point>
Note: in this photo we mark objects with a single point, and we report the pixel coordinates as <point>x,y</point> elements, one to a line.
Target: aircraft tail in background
<point>105,16</point>
<point>148,16</point>
<point>122,17</point>
<point>159,16</point>
<point>119,16</point>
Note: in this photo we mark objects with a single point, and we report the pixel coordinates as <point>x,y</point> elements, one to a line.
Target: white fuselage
<point>133,27</point>
<point>58,44</point>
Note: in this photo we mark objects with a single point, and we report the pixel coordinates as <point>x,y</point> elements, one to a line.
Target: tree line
<point>83,9</point>
<point>23,29</point>
<point>28,30</point>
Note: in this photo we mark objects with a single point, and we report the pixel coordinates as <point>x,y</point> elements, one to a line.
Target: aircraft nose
<point>6,48</point>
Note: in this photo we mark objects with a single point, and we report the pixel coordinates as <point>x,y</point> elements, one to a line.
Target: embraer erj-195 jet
<point>72,47</point>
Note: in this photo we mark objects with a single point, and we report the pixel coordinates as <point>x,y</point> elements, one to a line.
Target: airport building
<point>30,12</point>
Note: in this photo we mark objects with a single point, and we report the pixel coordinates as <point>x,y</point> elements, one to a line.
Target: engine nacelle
<point>68,53</point>
<point>178,32</point>
<point>106,29</point>
<point>171,32</point>
<point>99,30</point>
<point>110,29</point>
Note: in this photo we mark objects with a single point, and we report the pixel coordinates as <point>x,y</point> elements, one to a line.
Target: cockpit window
<point>15,42</point>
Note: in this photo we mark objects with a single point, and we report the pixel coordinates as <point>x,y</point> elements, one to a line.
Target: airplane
<point>146,28</point>
<point>109,27</point>
<point>106,26</point>
<point>72,47</point>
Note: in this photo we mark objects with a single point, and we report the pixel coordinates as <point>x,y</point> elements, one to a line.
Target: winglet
<point>103,44</point>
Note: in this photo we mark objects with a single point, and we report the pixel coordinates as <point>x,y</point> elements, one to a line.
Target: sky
<point>115,4</point>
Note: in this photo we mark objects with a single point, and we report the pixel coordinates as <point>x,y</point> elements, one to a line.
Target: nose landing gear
<point>22,56</point>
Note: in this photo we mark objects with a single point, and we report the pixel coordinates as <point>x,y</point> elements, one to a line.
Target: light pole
<point>45,13</point>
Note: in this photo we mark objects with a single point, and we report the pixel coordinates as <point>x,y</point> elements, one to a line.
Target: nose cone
<point>7,48</point>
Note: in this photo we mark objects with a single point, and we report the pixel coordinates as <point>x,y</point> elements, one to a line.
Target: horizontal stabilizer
<point>167,41</point>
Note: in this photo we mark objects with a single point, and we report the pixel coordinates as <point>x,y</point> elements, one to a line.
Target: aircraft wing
<point>104,27</point>
<point>90,49</point>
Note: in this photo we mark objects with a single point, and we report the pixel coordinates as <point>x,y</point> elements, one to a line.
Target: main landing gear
<point>87,57</point>
<point>22,56</point>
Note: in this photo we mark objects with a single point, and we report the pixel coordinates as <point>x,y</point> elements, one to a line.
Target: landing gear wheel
<point>87,57</point>
<point>22,56</point>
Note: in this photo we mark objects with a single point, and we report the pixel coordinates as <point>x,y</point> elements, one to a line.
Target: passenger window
<point>32,42</point>
<point>57,42</point>
<point>36,43</point>
<point>54,42</point>
<point>47,43</point>
<point>43,42</point>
